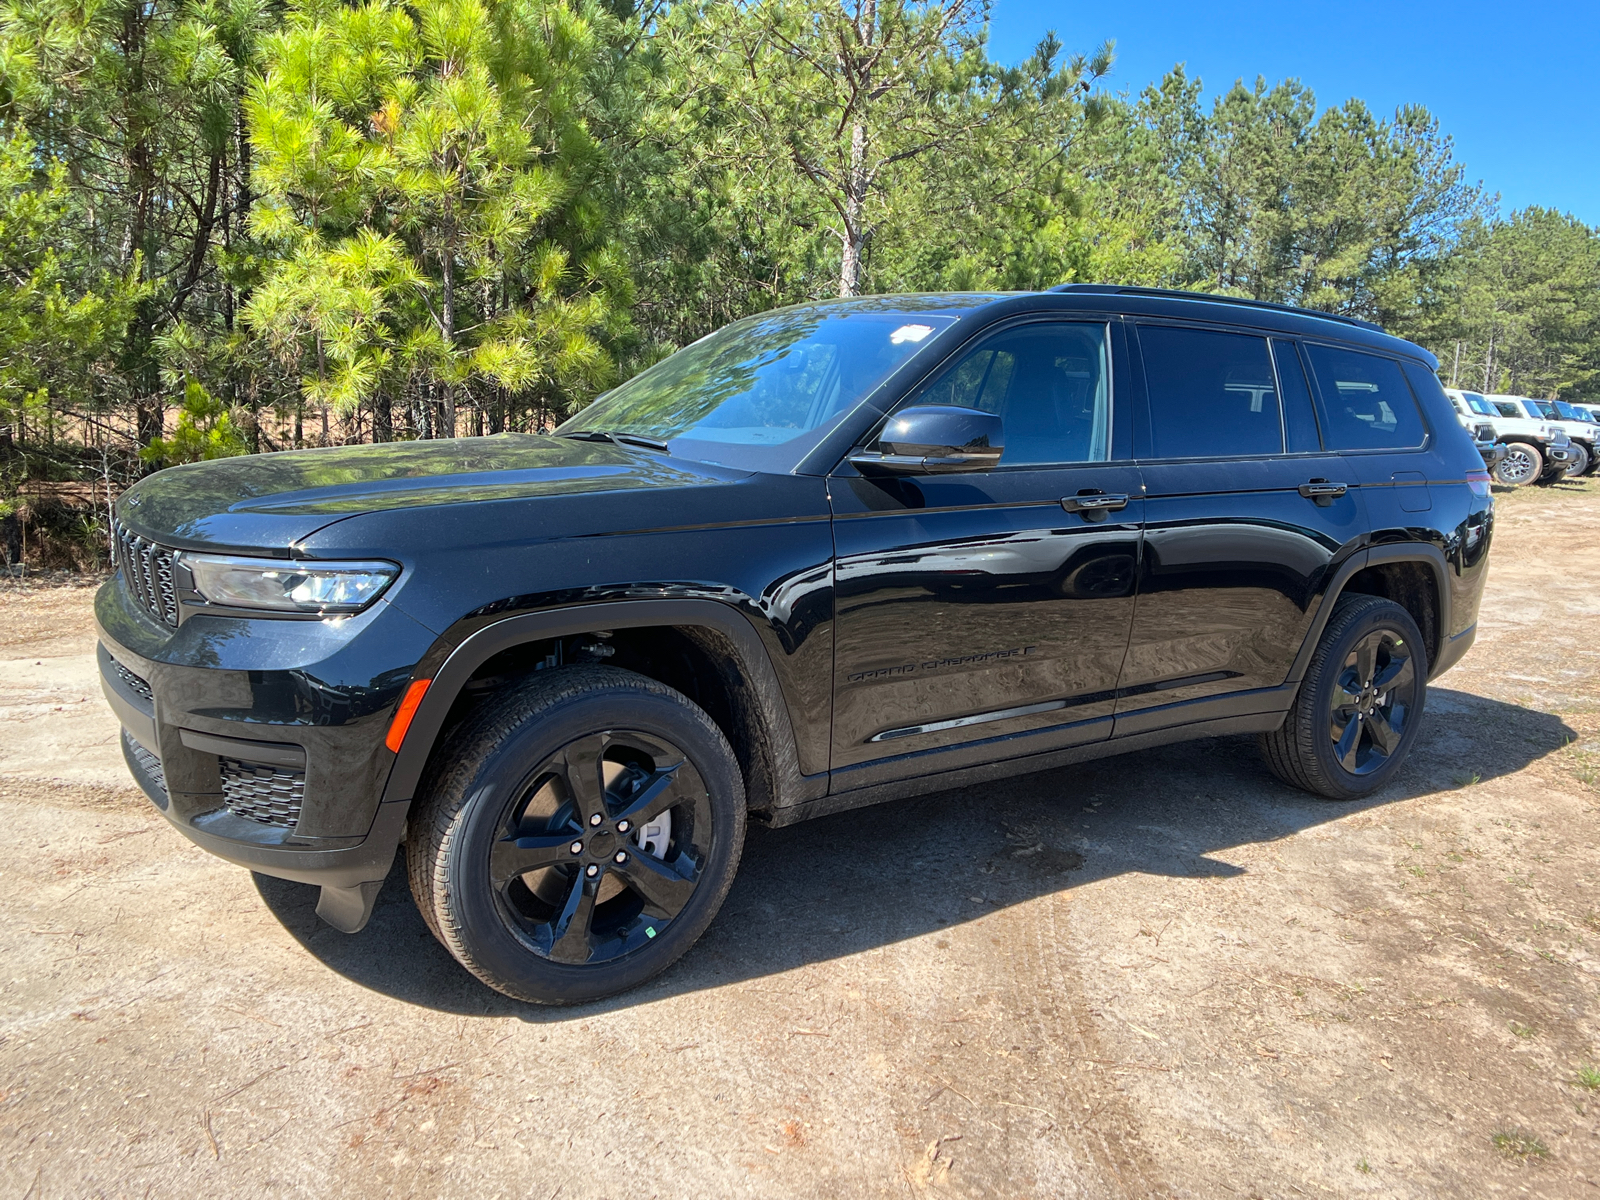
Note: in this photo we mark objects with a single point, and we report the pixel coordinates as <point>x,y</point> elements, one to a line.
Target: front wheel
<point>578,835</point>
<point>1582,462</point>
<point>1359,706</point>
<point>1522,464</point>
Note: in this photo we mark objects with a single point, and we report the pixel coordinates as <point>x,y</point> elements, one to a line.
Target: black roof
<point>1117,289</point>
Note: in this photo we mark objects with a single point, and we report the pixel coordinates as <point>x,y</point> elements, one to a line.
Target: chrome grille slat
<point>259,792</point>
<point>147,571</point>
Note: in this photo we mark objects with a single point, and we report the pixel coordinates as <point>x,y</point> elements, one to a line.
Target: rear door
<point>977,617</point>
<point>1246,517</point>
<point>1370,416</point>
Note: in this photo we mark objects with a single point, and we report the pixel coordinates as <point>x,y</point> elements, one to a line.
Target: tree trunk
<point>447,399</point>
<point>855,201</point>
<point>858,177</point>
<point>382,417</point>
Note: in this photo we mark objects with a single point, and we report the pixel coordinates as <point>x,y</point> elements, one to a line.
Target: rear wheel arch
<point>701,648</point>
<point>1414,575</point>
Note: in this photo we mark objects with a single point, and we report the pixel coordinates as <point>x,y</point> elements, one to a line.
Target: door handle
<point>1322,491</point>
<point>1094,505</point>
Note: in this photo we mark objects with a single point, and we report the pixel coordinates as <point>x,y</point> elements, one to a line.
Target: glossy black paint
<point>862,610</point>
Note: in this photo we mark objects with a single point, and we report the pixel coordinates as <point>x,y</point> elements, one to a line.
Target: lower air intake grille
<point>136,684</point>
<point>258,792</point>
<point>147,572</point>
<point>148,763</point>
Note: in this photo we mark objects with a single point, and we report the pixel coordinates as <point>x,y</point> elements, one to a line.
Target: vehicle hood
<point>273,501</point>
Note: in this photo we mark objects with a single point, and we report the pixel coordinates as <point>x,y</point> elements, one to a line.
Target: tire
<point>1581,464</point>
<point>490,852</point>
<point>1551,475</point>
<point>1522,464</point>
<point>1315,748</point>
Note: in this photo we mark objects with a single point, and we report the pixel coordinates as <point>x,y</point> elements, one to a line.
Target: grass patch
<point>1364,1167</point>
<point>1588,1078</point>
<point>1520,1145</point>
<point>1521,1030</point>
<point>1468,780</point>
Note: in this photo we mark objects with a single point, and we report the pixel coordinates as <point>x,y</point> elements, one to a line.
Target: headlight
<point>295,587</point>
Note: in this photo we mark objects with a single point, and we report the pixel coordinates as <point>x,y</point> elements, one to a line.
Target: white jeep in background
<point>1584,433</point>
<point>1537,451</point>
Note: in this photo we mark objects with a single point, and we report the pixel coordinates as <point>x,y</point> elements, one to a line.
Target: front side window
<point>1507,409</point>
<point>1212,394</point>
<point>1049,383</point>
<point>1367,404</point>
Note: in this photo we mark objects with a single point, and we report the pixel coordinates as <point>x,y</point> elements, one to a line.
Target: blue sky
<point>1514,84</point>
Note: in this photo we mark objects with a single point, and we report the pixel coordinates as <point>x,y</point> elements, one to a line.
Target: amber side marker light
<point>403,715</point>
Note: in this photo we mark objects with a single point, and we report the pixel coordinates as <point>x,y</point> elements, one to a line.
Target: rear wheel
<point>1522,464</point>
<point>1359,706</point>
<point>578,836</point>
<point>1582,463</point>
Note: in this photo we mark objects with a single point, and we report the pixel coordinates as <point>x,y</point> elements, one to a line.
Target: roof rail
<point>1117,289</point>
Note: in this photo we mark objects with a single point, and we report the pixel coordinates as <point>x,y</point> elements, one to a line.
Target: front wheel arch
<point>769,753</point>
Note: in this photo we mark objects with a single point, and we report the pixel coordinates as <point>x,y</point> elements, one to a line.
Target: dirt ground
<point>1158,975</point>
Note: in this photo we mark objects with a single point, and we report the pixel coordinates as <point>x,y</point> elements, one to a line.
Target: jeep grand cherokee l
<point>828,556</point>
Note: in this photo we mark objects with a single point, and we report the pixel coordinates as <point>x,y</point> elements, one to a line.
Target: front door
<point>1247,517</point>
<point>977,617</point>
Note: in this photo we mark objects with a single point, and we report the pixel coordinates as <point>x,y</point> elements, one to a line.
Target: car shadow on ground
<point>848,883</point>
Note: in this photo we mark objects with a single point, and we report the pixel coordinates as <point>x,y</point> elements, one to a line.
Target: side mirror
<point>934,440</point>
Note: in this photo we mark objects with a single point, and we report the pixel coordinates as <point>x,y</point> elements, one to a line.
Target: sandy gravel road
<point>1152,976</point>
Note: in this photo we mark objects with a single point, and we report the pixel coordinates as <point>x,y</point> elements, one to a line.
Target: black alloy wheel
<point>598,856</point>
<point>1359,707</point>
<point>1372,701</point>
<point>577,834</point>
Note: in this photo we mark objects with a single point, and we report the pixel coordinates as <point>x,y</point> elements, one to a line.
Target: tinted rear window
<point>1367,404</point>
<point>1212,394</point>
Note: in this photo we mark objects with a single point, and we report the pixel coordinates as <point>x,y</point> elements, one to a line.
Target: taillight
<point>1478,481</point>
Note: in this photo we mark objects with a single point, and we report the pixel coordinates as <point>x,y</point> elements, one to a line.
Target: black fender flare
<point>1373,556</point>
<point>449,676</point>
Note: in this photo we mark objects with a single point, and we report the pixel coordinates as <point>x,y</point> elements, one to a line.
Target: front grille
<point>136,683</point>
<point>148,762</point>
<point>147,570</point>
<point>258,792</point>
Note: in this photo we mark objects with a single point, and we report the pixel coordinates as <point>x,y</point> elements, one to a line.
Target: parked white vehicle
<point>1537,451</point>
<point>1584,433</point>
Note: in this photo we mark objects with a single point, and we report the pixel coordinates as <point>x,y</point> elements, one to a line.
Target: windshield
<point>761,392</point>
<point>1480,406</point>
<point>1567,412</point>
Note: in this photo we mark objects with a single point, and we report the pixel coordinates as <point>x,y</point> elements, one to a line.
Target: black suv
<point>828,556</point>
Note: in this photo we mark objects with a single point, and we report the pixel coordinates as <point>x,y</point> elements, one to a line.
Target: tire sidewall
<point>469,895</point>
<point>1392,617</point>
<point>1533,453</point>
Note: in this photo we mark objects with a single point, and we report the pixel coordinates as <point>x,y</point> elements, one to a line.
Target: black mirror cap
<point>935,439</point>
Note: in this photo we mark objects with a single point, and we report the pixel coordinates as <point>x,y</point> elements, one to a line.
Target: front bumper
<point>261,740</point>
<point>1491,453</point>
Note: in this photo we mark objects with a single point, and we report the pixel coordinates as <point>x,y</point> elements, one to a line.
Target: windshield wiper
<point>619,439</point>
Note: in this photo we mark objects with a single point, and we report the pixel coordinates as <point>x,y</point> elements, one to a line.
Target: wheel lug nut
<point>576,847</point>
<point>591,870</point>
<point>623,826</point>
<point>596,819</point>
<point>620,858</point>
